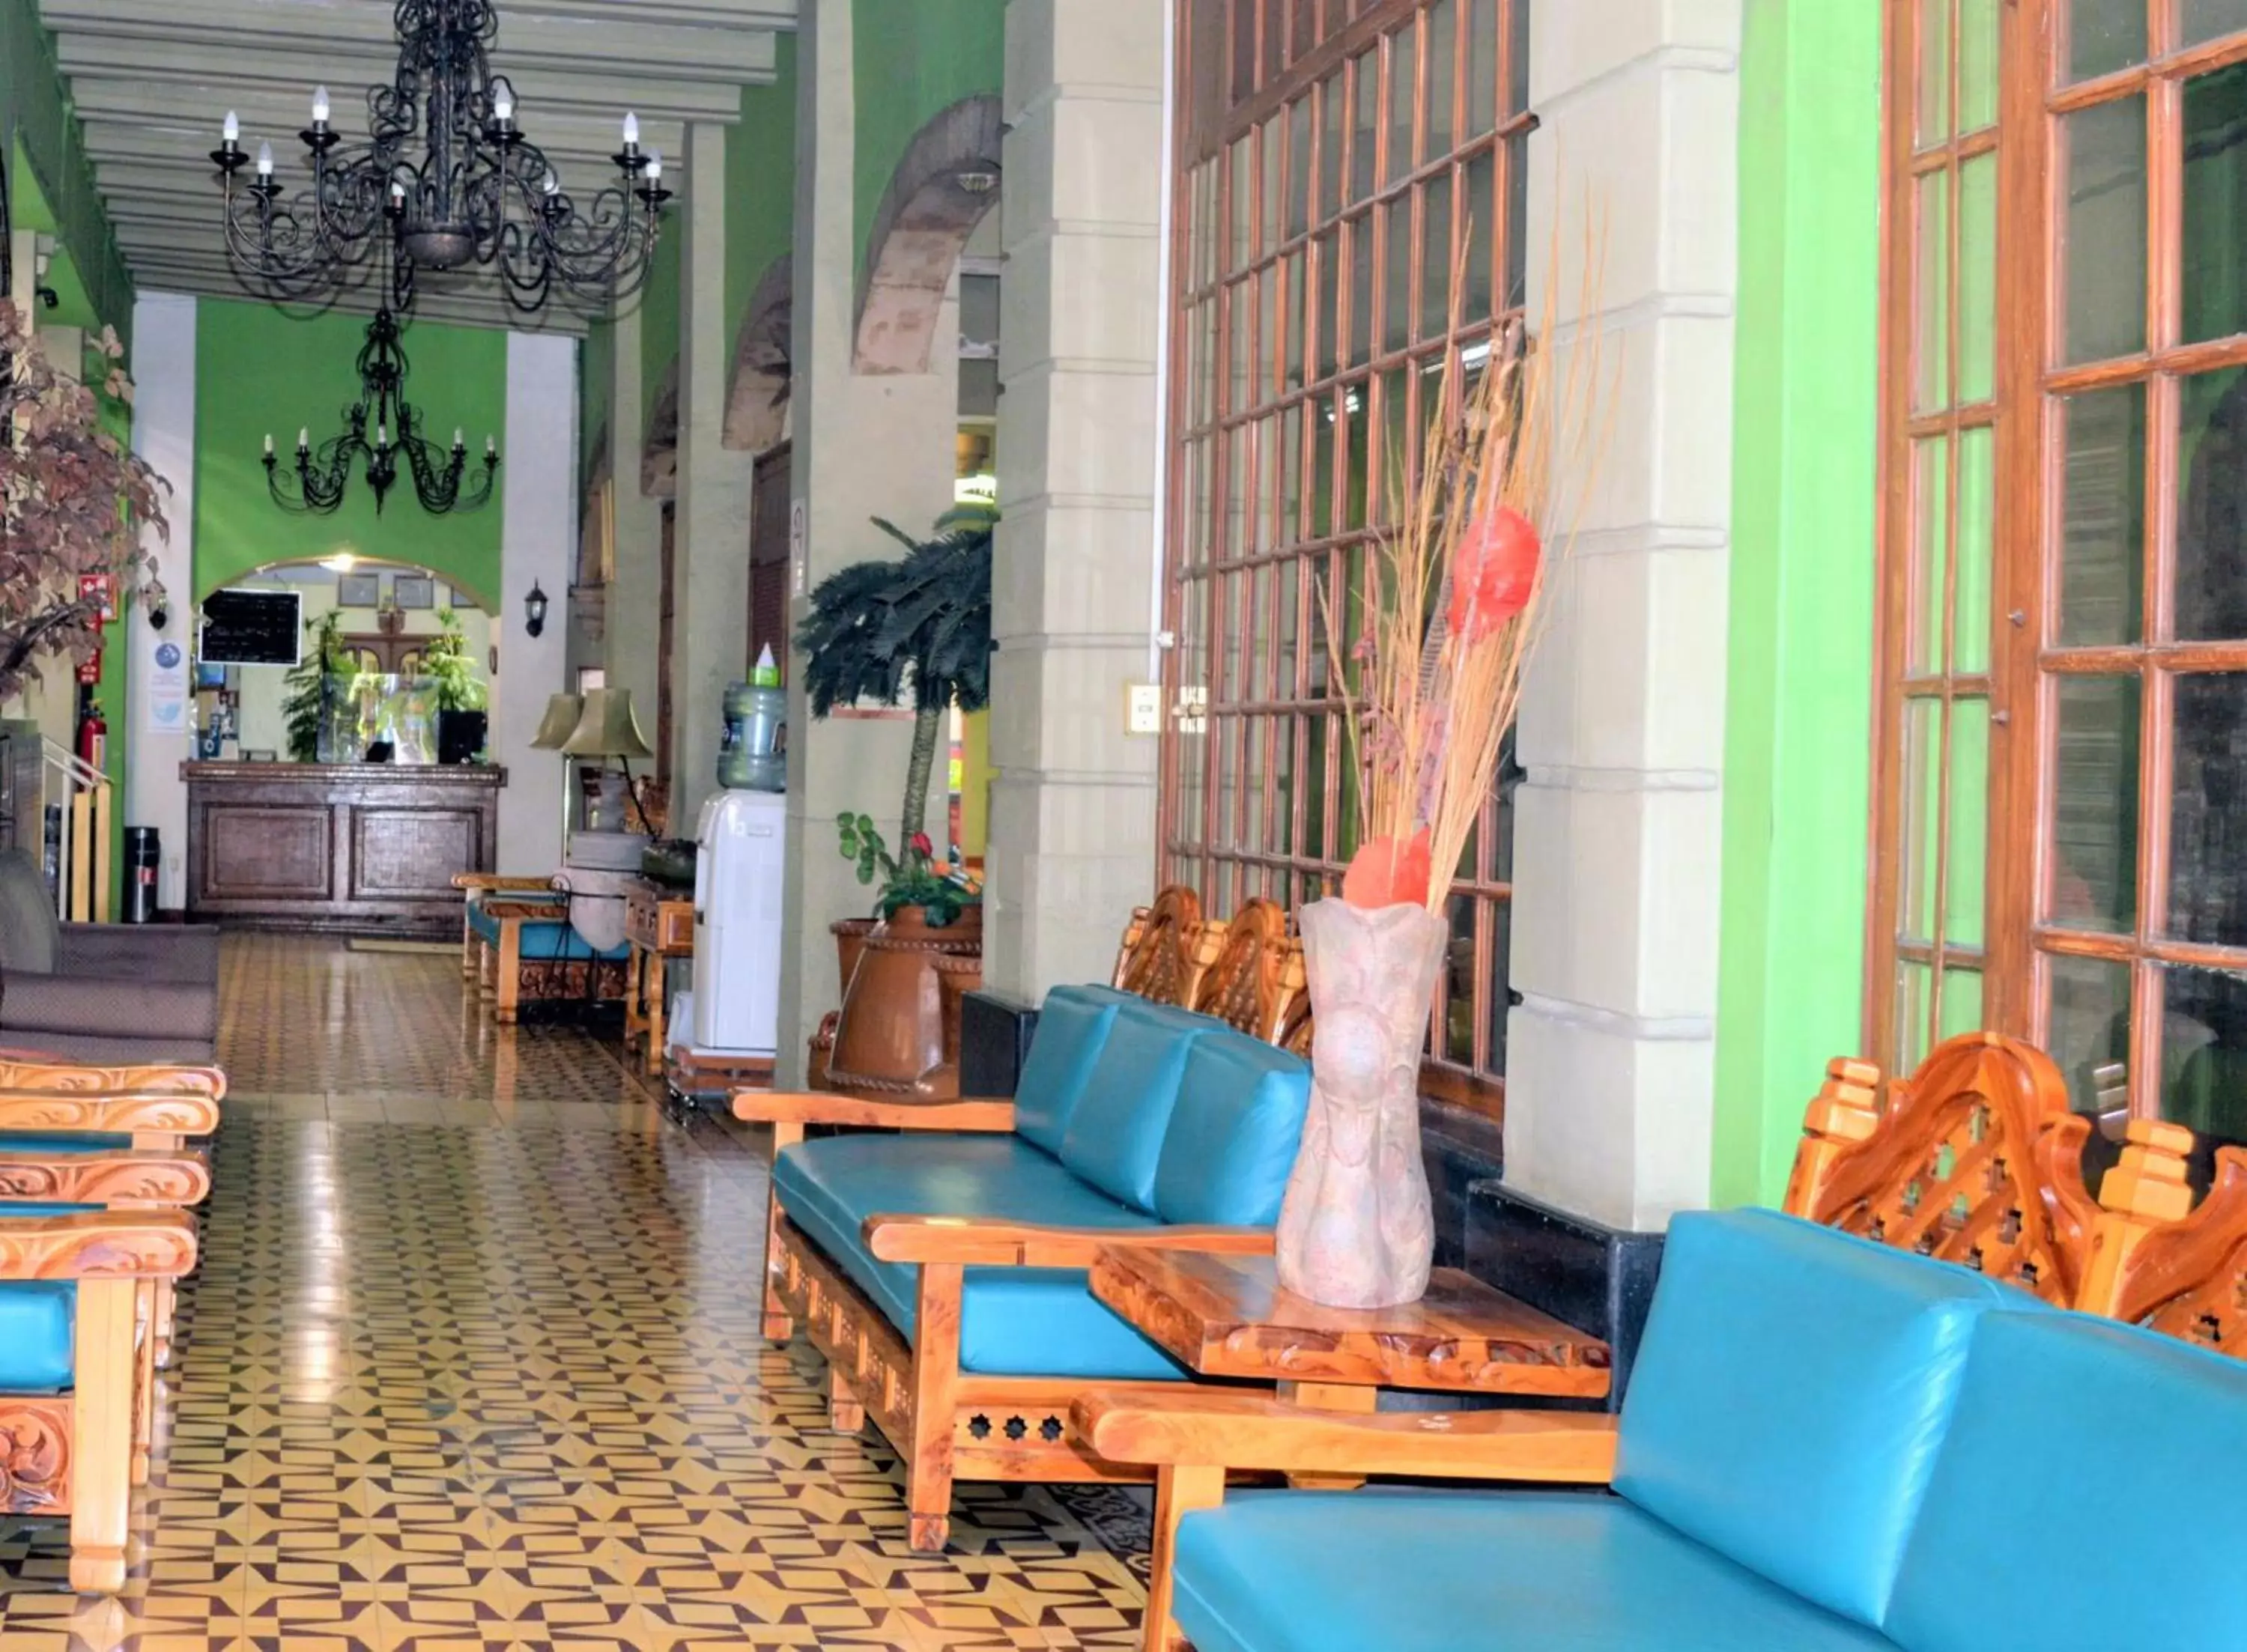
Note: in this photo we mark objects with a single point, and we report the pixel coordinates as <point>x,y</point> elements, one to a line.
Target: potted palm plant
<point>309,683</point>
<point>918,632</point>
<point>462,695</point>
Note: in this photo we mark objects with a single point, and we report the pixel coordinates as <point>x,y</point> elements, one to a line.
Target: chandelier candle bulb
<point>264,160</point>
<point>319,105</point>
<point>459,441</point>
<point>632,131</point>
<point>655,165</point>
<point>231,129</point>
<point>304,438</point>
<point>502,104</point>
<point>269,444</point>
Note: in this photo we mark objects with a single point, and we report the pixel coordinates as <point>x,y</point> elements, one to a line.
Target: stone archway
<point>757,395</point>
<point>946,181</point>
<point>658,449</point>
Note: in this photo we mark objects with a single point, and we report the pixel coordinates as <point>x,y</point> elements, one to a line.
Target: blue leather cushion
<point>542,938</point>
<point>1013,1321</point>
<point>1790,1395</point>
<point>1115,1137</point>
<point>1401,1571</point>
<point>2087,1496</point>
<point>1233,1133</point>
<point>36,1321</point>
<point>1071,1029</point>
<point>64,1141</point>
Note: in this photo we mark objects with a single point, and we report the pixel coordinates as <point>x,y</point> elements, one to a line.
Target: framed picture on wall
<point>414,591</point>
<point>359,590</point>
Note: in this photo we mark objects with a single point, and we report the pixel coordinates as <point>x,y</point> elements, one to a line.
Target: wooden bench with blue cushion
<point>528,951</point>
<point>942,1270</point>
<point>1829,1445</point>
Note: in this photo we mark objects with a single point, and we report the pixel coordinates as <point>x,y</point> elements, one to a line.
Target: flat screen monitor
<point>251,628</point>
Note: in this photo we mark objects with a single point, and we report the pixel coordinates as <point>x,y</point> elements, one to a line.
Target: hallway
<point>472,1362</point>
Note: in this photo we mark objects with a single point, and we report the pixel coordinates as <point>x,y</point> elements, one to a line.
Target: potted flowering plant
<point>912,879</point>
<point>1428,665</point>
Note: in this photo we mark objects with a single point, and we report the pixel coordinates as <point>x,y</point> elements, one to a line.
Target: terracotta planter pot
<point>849,940</point>
<point>1356,1228</point>
<point>890,1039</point>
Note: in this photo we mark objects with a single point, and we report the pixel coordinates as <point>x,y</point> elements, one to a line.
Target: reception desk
<point>366,848</point>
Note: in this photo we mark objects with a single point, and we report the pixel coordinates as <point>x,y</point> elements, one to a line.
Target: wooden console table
<point>659,926</point>
<point>371,848</point>
<point>1226,1316</point>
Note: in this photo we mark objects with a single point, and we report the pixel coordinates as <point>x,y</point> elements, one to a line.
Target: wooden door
<point>769,505</point>
<point>666,632</point>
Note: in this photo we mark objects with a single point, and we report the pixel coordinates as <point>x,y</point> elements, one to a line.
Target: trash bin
<point>142,856</point>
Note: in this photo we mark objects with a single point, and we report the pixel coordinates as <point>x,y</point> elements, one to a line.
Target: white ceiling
<point>153,80</point>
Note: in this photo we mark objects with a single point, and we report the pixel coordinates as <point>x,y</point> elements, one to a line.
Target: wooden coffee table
<point>1226,1316</point>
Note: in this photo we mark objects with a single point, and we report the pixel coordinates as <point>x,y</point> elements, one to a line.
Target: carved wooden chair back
<point>1161,955</point>
<point>2179,1272</point>
<point>1253,971</point>
<point>1975,1159</point>
<point>1296,1026</point>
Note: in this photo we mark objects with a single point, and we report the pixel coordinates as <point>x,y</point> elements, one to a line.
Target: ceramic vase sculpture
<point>1356,1228</point>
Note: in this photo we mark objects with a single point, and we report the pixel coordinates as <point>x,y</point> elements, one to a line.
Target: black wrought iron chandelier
<point>316,482</point>
<point>446,180</point>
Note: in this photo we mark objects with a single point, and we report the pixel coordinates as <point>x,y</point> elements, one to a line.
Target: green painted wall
<point>51,184</point>
<point>658,323</point>
<point>259,370</point>
<point>911,58</point>
<point>760,184</point>
<point>1799,717</point>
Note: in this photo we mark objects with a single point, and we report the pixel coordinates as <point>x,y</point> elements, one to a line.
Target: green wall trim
<point>658,326</point>
<point>53,181</point>
<point>260,368</point>
<point>760,185</point>
<point>909,63</point>
<point>1798,709</point>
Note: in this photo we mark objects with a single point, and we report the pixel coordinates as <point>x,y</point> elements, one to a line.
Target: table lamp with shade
<point>608,729</point>
<point>555,728</point>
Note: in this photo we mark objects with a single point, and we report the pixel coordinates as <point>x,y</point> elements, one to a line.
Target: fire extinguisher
<point>93,731</point>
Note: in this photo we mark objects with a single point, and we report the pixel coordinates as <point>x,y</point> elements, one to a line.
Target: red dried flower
<point>1384,872</point>
<point>1495,572</point>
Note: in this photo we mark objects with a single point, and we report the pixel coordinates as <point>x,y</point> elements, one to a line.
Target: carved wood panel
<point>266,852</point>
<point>1253,971</point>
<point>1160,954</point>
<point>35,1455</point>
<point>411,853</point>
<point>2188,1277</point>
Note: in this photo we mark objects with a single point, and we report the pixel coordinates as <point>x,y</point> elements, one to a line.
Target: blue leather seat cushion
<point>1013,1321</point>
<point>64,1141</point>
<point>1790,1395</point>
<point>1115,1137</point>
<point>36,1323</point>
<point>1411,1571</point>
<point>542,938</point>
<point>2087,1496</point>
<point>1072,1026</point>
<point>1234,1132</point>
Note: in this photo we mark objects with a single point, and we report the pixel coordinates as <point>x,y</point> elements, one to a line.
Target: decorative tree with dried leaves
<point>74,502</point>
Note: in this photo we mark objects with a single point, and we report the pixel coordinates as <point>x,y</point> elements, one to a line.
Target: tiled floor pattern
<point>473,1363</point>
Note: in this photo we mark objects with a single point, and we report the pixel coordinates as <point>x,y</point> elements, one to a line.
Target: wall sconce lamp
<point>534,611</point>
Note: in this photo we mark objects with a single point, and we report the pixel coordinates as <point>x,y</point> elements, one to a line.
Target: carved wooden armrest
<point>121,1113</point>
<point>73,1077</point>
<point>520,912</point>
<point>102,1245</point>
<point>472,882</point>
<point>978,1241</point>
<point>822,1107</point>
<point>1220,1431</point>
<point>121,1178</point>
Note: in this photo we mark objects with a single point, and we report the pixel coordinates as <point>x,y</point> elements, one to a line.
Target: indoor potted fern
<point>462,695</point>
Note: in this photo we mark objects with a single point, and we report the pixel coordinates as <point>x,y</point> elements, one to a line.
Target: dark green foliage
<point>307,685</point>
<point>913,879</point>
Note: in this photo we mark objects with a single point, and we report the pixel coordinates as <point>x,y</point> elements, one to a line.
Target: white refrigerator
<point>737,904</point>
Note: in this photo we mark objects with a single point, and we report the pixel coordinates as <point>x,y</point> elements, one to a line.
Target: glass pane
<point>2208,804</point>
<point>1396,438</point>
<point>1403,83</point>
<point>2210,593</point>
<point>1396,278</point>
<point>1501,945</point>
<point>1482,66</point>
<point>1322,731</point>
<point>1361,434</point>
<point>2206,19</point>
<point>1322,476</point>
<point>1977,63</point>
<point>2104,36</point>
<point>1329,314</point>
<point>1358,336</point>
<point>2104,232</point>
<point>1291,474</point>
<point>1252,786</point>
<point>1236,490</point>
<point>1517,220</point>
<point>1966,854</point>
<point>2089,1027</point>
<point>1241,203</point>
<point>1934,98</point>
<point>1366,68</point>
<point>1435,257</point>
<point>1930,489</point>
<point>1295,323</point>
<point>1266,365</point>
<point>1970,647</point>
<point>1244,48</point>
<point>2095,867</point>
<point>1477,223</point>
<point>1921,761</point>
<point>1930,300</point>
<point>1977,278</point>
<point>1299,172</point>
<point>1962,1002</point>
<point>1331,140</point>
<point>1443,74</point>
<point>1267,482</point>
<point>1914,1007</point>
<point>2204,1051</point>
<point>1458,984</point>
<point>2214,296</point>
<point>2102,516</point>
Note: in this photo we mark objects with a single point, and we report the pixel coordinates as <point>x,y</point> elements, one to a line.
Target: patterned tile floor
<point>472,1362</point>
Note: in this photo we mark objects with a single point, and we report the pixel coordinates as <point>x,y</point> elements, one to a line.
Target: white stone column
<point>1073,807</point>
<point>633,631</point>
<point>1611,1067</point>
<point>538,545</point>
<point>865,445</point>
<point>164,435</point>
<point>710,593</point>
